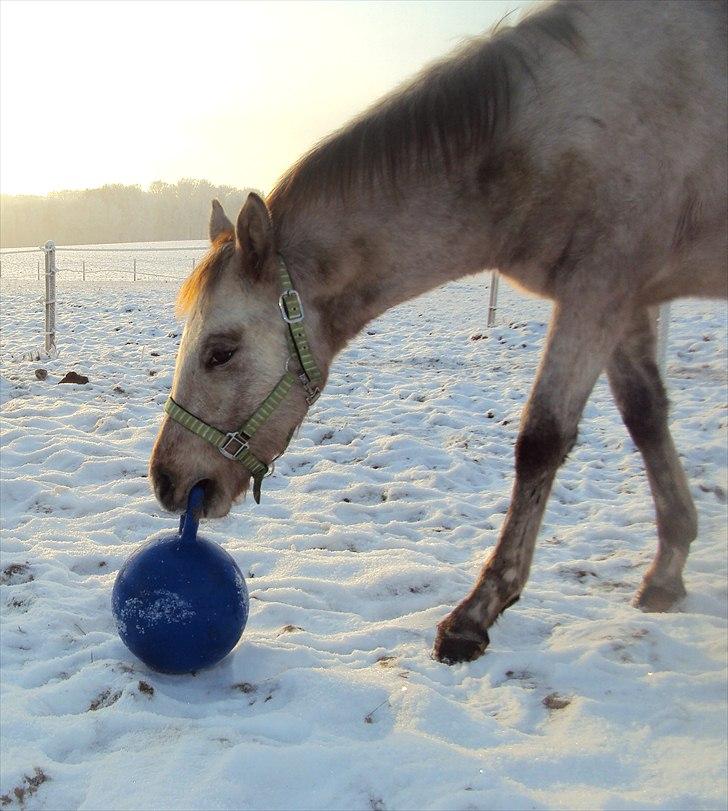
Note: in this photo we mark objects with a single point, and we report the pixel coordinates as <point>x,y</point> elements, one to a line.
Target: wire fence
<point>163,263</point>
<point>99,263</point>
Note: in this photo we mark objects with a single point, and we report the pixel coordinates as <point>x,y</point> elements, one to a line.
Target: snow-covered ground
<point>373,527</point>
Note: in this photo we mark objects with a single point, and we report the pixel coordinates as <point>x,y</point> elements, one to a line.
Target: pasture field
<point>373,526</point>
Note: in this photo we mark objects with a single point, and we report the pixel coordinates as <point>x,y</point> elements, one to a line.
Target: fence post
<point>83,271</point>
<point>38,269</point>
<point>50,295</point>
<point>135,268</point>
<point>663,331</point>
<point>493,303</point>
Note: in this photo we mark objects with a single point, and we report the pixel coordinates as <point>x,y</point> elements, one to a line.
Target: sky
<point>233,92</point>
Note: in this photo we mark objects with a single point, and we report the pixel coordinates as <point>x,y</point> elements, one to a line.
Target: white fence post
<point>50,295</point>
<point>663,331</point>
<point>493,303</point>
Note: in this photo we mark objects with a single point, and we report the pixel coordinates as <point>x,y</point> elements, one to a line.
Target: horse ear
<point>219,223</point>
<point>254,232</point>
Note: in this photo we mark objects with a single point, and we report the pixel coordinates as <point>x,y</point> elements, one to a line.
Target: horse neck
<point>354,261</point>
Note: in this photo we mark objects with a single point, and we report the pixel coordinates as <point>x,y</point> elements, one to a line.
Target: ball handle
<point>190,519</point>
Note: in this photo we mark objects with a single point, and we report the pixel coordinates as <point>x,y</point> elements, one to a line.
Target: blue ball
<point>180,601</point>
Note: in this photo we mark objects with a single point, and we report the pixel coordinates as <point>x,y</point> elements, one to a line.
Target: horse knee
<point>542,447</point>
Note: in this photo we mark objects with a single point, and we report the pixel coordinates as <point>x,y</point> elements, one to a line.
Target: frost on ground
<point>373,527</point>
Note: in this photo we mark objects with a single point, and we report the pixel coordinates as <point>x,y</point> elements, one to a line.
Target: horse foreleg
<point>579,344</point>
<point>640,397</point>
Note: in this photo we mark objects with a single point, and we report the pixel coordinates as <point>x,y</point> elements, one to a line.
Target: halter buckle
<point>282,306</point>
<point>233,437</point>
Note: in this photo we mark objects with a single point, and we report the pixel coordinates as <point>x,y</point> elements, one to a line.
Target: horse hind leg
<point>640,396</point>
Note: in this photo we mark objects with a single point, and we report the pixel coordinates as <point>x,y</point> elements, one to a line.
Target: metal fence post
<point>50,295</point>
<point>493,303</point>
<point>83,271</point>
<point>134,268</point>
<point>663,331</point>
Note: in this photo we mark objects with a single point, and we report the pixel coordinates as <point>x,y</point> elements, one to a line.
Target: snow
<point>373,527</point>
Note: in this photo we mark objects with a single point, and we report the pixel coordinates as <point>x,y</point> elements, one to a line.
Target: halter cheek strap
<point>234,445</point>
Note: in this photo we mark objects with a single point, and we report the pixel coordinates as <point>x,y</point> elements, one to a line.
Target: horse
<point>582,153</point>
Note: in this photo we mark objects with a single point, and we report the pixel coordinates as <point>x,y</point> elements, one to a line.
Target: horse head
<point>236,355</point>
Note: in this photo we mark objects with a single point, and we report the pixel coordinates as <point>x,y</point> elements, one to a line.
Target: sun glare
<point>119,92</point>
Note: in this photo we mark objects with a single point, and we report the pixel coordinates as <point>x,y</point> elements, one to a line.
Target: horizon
<point>89,110</point>
<point>144,187</point>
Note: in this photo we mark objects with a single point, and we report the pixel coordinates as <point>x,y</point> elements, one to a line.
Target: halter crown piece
<point>235,444</point>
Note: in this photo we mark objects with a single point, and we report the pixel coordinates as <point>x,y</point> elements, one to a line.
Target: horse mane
<point>206,272</point>
<point>456,105</point>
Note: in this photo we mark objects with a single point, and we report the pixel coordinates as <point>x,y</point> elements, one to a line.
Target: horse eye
<point>220,357</point>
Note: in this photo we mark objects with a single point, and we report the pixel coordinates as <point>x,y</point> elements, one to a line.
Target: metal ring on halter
<point>296,319</point>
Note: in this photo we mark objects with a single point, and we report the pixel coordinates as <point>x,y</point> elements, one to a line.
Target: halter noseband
<point>235,444</point>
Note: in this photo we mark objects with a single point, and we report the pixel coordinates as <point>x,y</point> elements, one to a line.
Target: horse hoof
<point>452,647</point>
<point>657,599</point>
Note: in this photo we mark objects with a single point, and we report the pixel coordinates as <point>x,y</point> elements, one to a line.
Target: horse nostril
<point>163,485</point>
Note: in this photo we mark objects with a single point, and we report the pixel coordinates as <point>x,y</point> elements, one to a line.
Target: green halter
<point>235,444</point>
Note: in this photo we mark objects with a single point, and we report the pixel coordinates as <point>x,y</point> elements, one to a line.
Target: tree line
<point>114,213</point>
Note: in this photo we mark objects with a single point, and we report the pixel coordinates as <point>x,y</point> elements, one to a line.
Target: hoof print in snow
<point>118,390</point>
<point>582,574</point>
<point>26,789</point>
<point>105,699</point>
<point>376,804</point>
<point>74,377</point>
<point>146,688</point>
<point>41,374</point>
<point>386,661</point>
<point>289,629</point>
<point>19,604</point>
<point>716,490</point>
<point>16,573</point>
<point>553,701</point>
<point>528,680</point>
<point>256,692</point>
<point>245,687</point>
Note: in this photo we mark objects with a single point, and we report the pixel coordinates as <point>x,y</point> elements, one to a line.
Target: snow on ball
<point>180,601</point>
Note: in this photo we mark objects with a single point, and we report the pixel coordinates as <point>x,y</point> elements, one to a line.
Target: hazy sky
<point>131,92</point>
